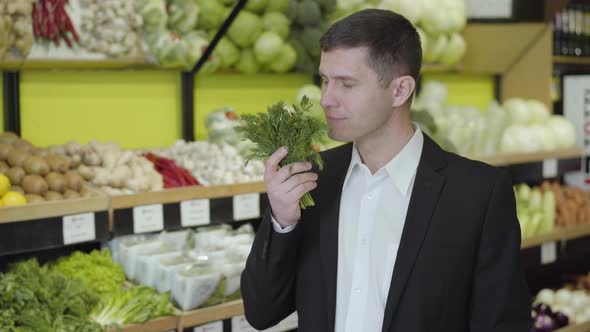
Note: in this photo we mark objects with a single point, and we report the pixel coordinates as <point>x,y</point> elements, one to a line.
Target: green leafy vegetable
<point>292,128</point>
<point>278,23</point>
<point>246,29</point>
<point>268,47</point>
<point>211,14</point>
<point>133,306</point>
<point>285,60</point>
<point>183,15</point>
<point>96,270</point>
<point>247,63</point>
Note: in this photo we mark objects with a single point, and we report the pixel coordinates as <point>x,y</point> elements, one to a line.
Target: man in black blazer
<point>404,236</point>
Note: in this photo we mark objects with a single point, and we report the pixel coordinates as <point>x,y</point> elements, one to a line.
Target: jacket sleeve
<point>500,297</point>
<point>268,281</point>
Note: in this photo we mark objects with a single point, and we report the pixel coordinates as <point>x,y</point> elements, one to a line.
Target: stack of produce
<point>554,309</point>
<point>52,22</point>
<point>172,175</point>
<point>439,22</point>
<point>573,204</point>
<point>111,27</point>
<point>517,126</point>
<point>9,197</point>
<point>114,170</point>
<point>536,209</point>
<point>200,268</point>
<point>38,173</point>
<point>171,31</point>
<point>213,164</point>
<point>309,24</point>
<point>16,27</point>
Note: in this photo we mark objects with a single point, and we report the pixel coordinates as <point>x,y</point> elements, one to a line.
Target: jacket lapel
<point>329,210</point>
<point>425,195</point>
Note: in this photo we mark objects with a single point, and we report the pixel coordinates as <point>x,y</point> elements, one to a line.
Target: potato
<point>18,189</point>
<point>74,180</point>
<point>56,182</point>
<point>32,198</point>
<point>5,150</point>
<point>16,158</point>
<point>86,192</point>
<point>8,138</point>
<point>36,166</point>
<point>53,196</point>
<point>3,167</point>
<point>34,184</point>
<point>58,163</point>
<point>16,175</point>
<point>71,194</point>
<point>22,144</point>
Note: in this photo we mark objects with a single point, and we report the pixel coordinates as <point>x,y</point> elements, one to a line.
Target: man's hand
<point>286,186</point>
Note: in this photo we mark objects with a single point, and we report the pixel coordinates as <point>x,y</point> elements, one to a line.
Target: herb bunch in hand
<point>283,126</point>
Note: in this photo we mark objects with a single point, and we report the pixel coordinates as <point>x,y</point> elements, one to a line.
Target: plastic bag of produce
<point>154,14</point>
<point>167,268</point>
<point>232,273</point>
<point>146,270</point>
<point>220,126</point>
<point>198,286</point>
<point>138,251</point>
<point>126,245</point>
<point>182,15</point>
<point>178,239</point>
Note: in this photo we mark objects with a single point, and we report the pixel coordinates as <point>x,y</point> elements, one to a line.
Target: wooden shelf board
<point>571,60</point>
<point>161,324</point>
<point>510,159</point>
<point>211,314</point>
<point>185,193</point>
<point>560,233</point>
<point>585,327</point>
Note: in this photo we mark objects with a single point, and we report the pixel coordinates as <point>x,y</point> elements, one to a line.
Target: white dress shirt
<point>372,215</point>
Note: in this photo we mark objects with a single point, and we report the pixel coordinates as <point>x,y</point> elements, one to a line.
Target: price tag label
<point>148,218</point>
<point>211,327</point>
<point>78,228</point>
<point>548,252</point>
<point>549,168</point>
<point>246,206</point>
<point>240,324</point>
<point>195,213</point>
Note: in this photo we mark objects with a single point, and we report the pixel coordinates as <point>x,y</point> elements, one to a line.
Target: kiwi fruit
<point>16,175</point>
<point>56,182</point>
<point>53,196</point>
<point>32,198</point>
<point>35,165</point>
<point>34,184</point>
<point>16,158</point>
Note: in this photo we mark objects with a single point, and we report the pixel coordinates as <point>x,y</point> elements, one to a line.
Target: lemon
<point>13,198</point>
<point>4,184</point>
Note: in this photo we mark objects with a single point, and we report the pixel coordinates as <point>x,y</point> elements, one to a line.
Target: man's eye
<point>347,85</point>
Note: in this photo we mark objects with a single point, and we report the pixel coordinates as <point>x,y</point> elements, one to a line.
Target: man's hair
<point>393,43</point>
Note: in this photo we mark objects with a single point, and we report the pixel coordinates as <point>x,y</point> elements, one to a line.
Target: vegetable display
<point>16,28</point>
<point>283,126</point>
<point>173,175</point>
<point>536,209</point>
<point>562,307</point>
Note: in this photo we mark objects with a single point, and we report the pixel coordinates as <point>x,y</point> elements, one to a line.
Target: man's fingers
<point>273,161</point>
<point>297,179</point>
<point>288,170</point>
<point>302,189</point>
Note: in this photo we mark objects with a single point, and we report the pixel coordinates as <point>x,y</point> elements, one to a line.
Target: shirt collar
<point>402,168</point>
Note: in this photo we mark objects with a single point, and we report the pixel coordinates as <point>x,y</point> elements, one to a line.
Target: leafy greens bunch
<point>283,126</point>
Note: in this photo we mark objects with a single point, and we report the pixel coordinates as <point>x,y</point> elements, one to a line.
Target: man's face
<point>354,103</point>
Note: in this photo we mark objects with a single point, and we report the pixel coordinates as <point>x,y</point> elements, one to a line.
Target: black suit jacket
<point>457,267</point>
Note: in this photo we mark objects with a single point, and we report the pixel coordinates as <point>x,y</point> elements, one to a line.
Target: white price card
<point>548,252</point>
<point>549,168</point>
<point>211,327</point>
<point>240,324</point>
<point>195,213</point>
<point>246,206</point>
<point>79,228</point>
<point>148,218</point>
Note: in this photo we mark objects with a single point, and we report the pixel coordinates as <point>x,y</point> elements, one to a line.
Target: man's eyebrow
<point>341,77</point>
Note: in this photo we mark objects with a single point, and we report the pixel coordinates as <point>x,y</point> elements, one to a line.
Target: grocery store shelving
<point>202,316</point>
<point>571,60</point>
<point>559,234</point>
<point>585,327</point>
<point>161,324</point>
<point>220,199</point>
<point>43,225</point>
<point>525,158</point>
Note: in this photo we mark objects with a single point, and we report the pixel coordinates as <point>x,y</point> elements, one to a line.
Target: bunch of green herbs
<point>283,126</point>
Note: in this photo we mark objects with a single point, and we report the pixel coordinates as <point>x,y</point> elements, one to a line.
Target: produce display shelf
<point>162,324</point>
<point>571,60</point>
<point>53,224</point>
<point>198,317</point>
<point>585,327</point>
<point>186,207</point>
<point>559,234</point>
<point>48,64</point>
<point>526,158</point>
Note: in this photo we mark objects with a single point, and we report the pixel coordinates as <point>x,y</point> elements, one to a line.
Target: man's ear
<point>403,88</point>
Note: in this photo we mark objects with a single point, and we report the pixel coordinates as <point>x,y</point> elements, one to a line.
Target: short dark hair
<point>392,41</point>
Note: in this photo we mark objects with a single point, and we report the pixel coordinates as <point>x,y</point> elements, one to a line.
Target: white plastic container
<point>167,268</point>
<point>194,286</point>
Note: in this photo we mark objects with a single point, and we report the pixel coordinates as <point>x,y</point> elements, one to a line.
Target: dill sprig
<point>283,126</point>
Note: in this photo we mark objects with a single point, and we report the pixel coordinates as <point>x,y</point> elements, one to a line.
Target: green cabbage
<point>247,63</point>
<point>227,52</point>
<point>211,14</point>
<point>246,29</point>
<point>308,13</point>
<point>279,6</point>
<point>278,23</point>
<point>182,15</point>
<point>454,51</point>
<point>304,63</point>
<point>286,59</point>
<point>268,47</point>
<point>311,40</point>
<point>257,6</point>
<point>154,14</point>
